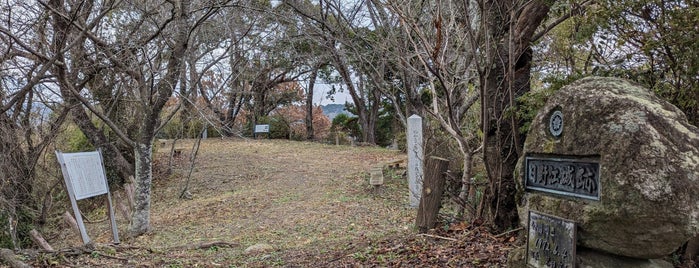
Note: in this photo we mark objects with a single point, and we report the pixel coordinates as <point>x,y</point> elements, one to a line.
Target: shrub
<point>5,239</point>
<point>75,139</point>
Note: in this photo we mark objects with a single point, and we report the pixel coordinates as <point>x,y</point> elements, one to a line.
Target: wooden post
<point>39,240</point>
<point>68,218</point>
<point>432,189</point>
<point>123,206</point>
<point>9,257</point>
<point>129,189</point>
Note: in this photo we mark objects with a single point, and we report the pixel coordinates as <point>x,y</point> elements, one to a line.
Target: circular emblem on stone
<point>556,123</point>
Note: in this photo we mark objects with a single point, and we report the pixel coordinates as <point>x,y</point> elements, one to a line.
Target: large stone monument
<point>619,164</point>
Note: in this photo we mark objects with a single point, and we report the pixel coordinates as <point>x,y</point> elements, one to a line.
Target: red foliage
<point>295,116</point>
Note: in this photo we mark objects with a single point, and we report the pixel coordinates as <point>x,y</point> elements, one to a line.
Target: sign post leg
<point>79,219</point>
<point>73,201</point>
<point>115,232</point>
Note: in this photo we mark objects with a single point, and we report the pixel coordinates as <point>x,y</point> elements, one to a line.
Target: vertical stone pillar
<point>415,159</point>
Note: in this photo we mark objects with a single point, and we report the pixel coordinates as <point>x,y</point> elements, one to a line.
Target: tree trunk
<point>363,115</point>
<point>367,110</point>
<point>432,189</point>
<point>468,189</point>
<point>373,117</point>
<point>309,105</point>
<point>235,104</point>
<point>143,146</point>
<point>117,161</point>
<point>140,218</point>
<point>189,95</point>
<point>507,79</point>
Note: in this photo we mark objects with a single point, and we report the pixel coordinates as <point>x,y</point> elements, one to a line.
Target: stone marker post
<point>415,158</point>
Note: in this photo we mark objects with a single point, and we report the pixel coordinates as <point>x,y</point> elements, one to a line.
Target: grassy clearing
<point>304,199</point>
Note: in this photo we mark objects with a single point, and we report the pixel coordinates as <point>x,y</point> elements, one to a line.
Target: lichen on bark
<point>140,219</point>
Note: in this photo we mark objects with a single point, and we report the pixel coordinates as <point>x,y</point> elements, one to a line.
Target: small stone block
<point>376,176</point>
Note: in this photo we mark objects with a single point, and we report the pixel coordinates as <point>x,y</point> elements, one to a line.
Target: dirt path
<point>297,197</point>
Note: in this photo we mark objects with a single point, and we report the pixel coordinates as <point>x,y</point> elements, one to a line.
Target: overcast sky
<point>320,96</point>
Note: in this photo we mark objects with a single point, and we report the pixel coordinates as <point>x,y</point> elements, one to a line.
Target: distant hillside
<point>332,110</point>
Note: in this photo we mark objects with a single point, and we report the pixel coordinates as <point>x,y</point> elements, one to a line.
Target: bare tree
<point>445,59</point>
<point>508,27</point>
<point>145,51</point>
<point>486,45</point>
<point>338,27</point>
<point>29,119</point>
<point>264,51</point>
<point>462,53</point>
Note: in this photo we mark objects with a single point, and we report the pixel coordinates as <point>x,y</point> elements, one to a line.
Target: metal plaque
<point>556,123</point>
<point>563,175</point>
<point>550,241</point>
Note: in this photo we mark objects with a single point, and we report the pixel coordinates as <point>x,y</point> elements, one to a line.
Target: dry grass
<point>308,200</point>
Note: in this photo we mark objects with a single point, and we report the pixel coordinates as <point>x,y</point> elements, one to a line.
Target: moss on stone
<point>649,158</point>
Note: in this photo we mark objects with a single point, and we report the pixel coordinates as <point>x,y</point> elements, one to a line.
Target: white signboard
<point>85,177</point>
<point>86,174</point>
<point>261,128</point>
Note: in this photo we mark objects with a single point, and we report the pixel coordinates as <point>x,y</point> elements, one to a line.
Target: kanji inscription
<point>563,175</point>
